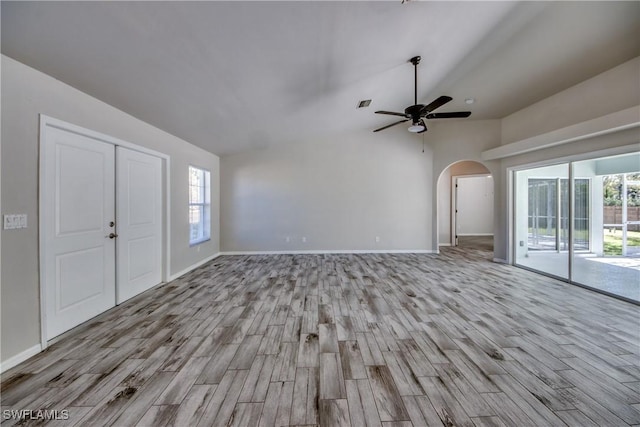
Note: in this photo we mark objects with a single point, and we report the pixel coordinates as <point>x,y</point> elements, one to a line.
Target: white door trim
<point>50,122</point>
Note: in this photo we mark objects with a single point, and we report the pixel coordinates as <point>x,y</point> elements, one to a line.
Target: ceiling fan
<point>418,113</point>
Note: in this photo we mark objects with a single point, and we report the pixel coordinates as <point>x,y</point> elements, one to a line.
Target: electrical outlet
<point>521,242</point>
<point>304,240</point>
<point>287,239</point>
<point>12,222</point>
<point>377,239</point>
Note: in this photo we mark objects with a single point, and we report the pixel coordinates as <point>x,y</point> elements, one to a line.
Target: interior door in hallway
<point>78,196</point>
<point>473,214</point>
<point>139,223</point>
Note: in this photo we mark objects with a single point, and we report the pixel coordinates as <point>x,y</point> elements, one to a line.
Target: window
<point>199,205</point>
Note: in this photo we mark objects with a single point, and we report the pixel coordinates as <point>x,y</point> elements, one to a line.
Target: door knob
<point>112,235</point>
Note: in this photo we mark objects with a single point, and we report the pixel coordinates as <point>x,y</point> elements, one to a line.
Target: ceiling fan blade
<point>448,115</point>
<point>435,104</point>
<point>391,113</point>
<point>392,124</point>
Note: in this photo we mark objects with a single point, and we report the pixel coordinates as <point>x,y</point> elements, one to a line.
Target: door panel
<point>79,261</point>
<point>81,273</point>
<point>139,212</point>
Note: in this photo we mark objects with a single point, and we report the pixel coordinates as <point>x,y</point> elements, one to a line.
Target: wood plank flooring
<point>338,340</point>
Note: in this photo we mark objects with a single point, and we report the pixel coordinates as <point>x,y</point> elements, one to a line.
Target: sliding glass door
<point>542,219</point>
<point>580,221</point>
<point>612,261</point>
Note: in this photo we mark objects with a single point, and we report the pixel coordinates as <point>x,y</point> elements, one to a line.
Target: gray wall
<point>611,91</point>
<point>457,141</point>
<point>342,193</point>
<point>339,194</point>
<point>26,93</point>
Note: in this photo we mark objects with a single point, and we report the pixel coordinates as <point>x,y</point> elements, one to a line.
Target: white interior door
<point>473,210</point>
<point>79,256</point>
<point>139,223</point>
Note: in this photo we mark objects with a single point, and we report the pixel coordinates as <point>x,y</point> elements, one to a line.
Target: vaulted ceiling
<point>231,76</point>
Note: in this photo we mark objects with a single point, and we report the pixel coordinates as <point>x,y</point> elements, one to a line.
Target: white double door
<point>102,227</point>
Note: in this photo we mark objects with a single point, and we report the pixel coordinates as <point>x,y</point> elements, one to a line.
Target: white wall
<point>339,194</point>
<point>25,94</point>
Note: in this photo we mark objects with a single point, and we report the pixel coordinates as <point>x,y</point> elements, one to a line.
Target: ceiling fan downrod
<point>415,61</point>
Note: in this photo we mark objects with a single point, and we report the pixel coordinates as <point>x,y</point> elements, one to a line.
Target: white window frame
<point>205,205</point>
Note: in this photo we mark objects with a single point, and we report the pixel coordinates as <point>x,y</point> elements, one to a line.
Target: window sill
<point>198,242</point>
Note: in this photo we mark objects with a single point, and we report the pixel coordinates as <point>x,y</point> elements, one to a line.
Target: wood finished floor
<point>333,340</point>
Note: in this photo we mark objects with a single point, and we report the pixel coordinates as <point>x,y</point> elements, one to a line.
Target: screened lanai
<point>580,221</point>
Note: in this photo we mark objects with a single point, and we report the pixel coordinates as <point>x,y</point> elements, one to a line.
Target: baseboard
<point>311,252</point>
<point>475,235</point>
<point>335,251</point>
<point>193,266</point>
<point>444,244</point>
<point>19,358</point>
<point>500,261</point>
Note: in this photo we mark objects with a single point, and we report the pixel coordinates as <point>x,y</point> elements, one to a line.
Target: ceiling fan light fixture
<point>415,128</point>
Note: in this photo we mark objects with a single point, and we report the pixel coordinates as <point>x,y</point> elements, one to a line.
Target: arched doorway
<point>465,206</point>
